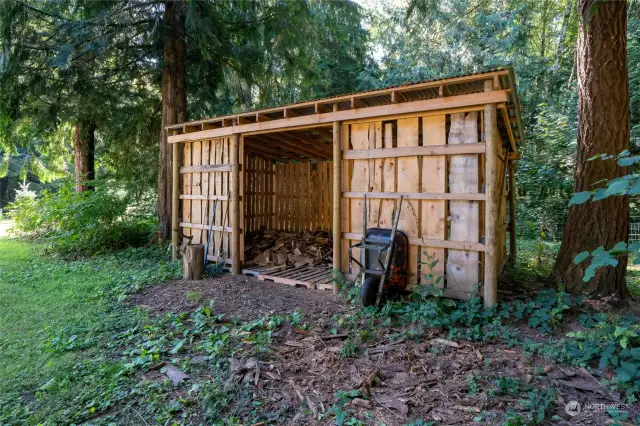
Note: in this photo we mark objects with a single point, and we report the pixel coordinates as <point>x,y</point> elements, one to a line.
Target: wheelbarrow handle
<point>387,258</point>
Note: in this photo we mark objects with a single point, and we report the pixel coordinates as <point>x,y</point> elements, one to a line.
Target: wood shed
<point>446,145</point>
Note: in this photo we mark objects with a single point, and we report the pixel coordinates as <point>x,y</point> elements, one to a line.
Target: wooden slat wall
<point>260,178</point>
<point>198,191</point>
<point>303,198</point>
<point>433,220</point>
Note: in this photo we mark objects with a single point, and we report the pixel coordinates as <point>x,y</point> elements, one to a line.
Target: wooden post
<point>512,213</point>
<point>235,204</point>
<point>492,203</point>
<point>175,200</point>
<point>337,198</point>
<point>193,262</point>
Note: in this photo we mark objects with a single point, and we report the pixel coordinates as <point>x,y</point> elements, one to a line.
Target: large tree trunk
<point>174,103</point>
<point>603,127</point>
<point>84,154</point>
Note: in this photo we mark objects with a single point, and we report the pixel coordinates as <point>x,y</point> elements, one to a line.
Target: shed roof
<point>510,121</point>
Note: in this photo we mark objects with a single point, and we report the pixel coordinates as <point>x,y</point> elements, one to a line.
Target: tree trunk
<point>174,103</point>
<point>193,262</point>
<point>84,155</point>
<point>603,127</point>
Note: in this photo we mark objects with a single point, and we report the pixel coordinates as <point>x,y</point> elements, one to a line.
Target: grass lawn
<point>73,353</point>
<point>56,320</point>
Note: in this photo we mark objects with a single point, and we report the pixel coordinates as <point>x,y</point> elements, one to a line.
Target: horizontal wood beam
<point>429,242</point>
<point>495,96</point>
<point>206,168</point>
<point>429,150</point>
<point>415,195</point>
<point>205,226</point>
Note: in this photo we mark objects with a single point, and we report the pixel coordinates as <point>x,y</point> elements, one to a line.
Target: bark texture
<point>174,104</point>
<point>84,143</point>
<point>603,127</point>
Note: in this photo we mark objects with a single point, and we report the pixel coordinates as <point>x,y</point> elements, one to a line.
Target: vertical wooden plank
<point>213,181</point>
<point>409,181</point>
<point>291,212</point>
<point>295,195</point>
<point>217,218</point>
<point>196,189</point>
<point>272,194</point>
<point>222,206</point>
<point>433,211</point>
<point>260,191</point>
<point>241,158</point>
<point>344,183</point>
<point>329,198</point>
<point>300,180</point>
<point>175,199</point>
<point>325,184</point>
<point>375,209</point>
<point>337,203</point>
<point>284,191</point>
<point>315,198</point>
<point>205,191</point>
<point>387,207</point>
<point>301,186</point>
<point>235,204</point>
<point>186,182</point>
<point>462,271</point>
<point>360,178</point>
<point>492,203</point>
<point>263,194</point>
<point>309,197</point>
<point>276,197</point>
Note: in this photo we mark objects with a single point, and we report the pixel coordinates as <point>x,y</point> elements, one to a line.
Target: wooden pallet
<point>313,277</point>
<point>256,271</point>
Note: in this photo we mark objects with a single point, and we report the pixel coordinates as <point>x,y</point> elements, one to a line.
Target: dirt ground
<point>238,296</point>
<point>400,380</point>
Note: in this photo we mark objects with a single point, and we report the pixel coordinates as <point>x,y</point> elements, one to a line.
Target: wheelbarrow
<point>384,263</point>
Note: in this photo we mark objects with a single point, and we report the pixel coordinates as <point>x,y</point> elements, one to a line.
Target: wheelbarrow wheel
<point>369,290</point>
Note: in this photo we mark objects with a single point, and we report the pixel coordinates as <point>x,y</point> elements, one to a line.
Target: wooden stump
<point>193,262</point>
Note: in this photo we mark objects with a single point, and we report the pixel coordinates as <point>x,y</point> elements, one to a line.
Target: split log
<point>193,262</point>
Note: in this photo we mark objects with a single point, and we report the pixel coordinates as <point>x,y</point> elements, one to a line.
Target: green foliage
<point>73,223</point>
<point>545,312</point>
<point>539,403</point>
<point>336,411</point>
<point>625,185</point>
<point>506,386</point>
<point>472,385</point>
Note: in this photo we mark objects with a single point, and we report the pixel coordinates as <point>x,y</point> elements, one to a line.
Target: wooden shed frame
<point>458,135</point>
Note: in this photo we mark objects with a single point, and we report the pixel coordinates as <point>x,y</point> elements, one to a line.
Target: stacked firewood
<point>271,247</point>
